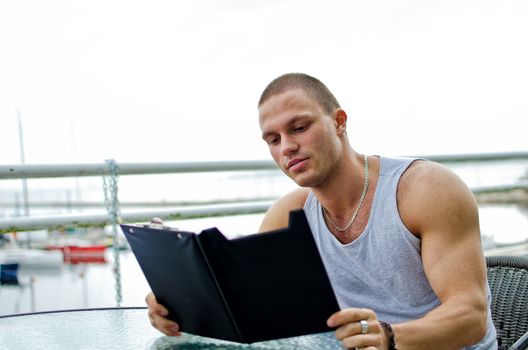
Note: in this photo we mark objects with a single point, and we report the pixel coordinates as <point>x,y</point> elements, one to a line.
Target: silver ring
<point>364,326</point>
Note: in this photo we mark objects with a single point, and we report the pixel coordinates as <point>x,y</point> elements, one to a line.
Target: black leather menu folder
<point>258,287</point>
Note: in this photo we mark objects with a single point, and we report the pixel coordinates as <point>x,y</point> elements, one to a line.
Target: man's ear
<point>340,120</point>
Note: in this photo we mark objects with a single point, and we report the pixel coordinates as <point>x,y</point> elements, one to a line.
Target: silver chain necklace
<point>361,199</point>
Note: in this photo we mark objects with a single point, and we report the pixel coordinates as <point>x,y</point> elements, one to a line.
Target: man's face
<point>301,137</point>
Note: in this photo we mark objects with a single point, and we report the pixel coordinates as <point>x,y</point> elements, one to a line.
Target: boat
<point>9,275</point>
<point>75,254</point>
<point>31,258</point>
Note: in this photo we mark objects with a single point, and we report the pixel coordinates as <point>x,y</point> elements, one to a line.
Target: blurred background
<point>165,81</point>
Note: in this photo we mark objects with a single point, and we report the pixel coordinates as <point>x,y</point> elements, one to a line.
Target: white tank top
<point>382,269</point>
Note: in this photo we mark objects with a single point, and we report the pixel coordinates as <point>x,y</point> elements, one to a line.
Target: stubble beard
<point>312,177</point>
<point>321,167</point>
<point>319,173</point>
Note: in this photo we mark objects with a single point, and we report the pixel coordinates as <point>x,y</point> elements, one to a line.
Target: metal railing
<point>26,171</point>
<point>95,220</point>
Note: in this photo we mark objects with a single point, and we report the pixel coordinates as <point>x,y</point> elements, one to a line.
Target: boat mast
<point>23,161</point>
<point>24,181</point>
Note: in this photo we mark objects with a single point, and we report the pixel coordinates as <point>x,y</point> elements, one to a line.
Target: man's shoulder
<point>291,201</point>
<point>429,191</point>
<point>423,172</point>
<point>277,215</point>
<point>296,198</point>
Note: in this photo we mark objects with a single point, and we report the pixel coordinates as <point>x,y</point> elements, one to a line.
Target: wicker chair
<point>508,280</point>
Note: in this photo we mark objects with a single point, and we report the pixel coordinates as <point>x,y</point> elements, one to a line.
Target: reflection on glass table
<point>123,328</point>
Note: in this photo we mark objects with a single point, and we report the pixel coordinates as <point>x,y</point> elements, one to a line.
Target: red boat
<point>74,254</point>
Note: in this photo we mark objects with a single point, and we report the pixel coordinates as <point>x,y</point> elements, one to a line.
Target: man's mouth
<point>294,162</point>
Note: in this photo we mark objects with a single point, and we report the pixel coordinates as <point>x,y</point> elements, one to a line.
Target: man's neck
<point>340,193</point>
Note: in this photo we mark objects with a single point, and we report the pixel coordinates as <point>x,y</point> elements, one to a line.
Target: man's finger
<point>350,315</point>
<point>165,326</point>
<point>157,221</point>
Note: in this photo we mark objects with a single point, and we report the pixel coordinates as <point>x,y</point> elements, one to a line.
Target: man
<point>399,237</point>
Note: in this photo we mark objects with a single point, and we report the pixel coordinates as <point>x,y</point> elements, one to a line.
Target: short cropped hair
<point>312,86</point>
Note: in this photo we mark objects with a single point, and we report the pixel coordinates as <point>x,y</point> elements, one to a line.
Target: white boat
<point>31,257</point>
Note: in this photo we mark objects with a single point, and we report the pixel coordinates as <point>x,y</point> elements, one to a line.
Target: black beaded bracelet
<point>389,333</point>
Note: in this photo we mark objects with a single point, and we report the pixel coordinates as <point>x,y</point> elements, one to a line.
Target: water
<point>72,287</point>
<point>504,224</point>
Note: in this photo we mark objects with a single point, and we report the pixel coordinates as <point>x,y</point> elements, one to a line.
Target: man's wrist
<point>387,328</point>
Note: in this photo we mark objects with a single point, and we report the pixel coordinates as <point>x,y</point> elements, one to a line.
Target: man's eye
<point>301,128</point>
<point>272,140</point>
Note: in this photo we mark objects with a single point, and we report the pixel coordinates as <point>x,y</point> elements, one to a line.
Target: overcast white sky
<point>179,80</point>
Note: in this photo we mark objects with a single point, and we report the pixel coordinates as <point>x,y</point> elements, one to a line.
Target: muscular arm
<point>435,205</point>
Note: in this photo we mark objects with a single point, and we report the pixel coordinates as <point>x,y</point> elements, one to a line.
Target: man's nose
<point>288,145</point>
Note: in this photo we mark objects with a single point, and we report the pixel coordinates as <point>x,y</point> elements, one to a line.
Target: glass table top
<point>123,328</point>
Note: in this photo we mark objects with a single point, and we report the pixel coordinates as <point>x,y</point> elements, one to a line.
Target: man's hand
<point>155,221</point>
<point>156,312</point>
<point>353,334</point>
<point>157,315</point>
